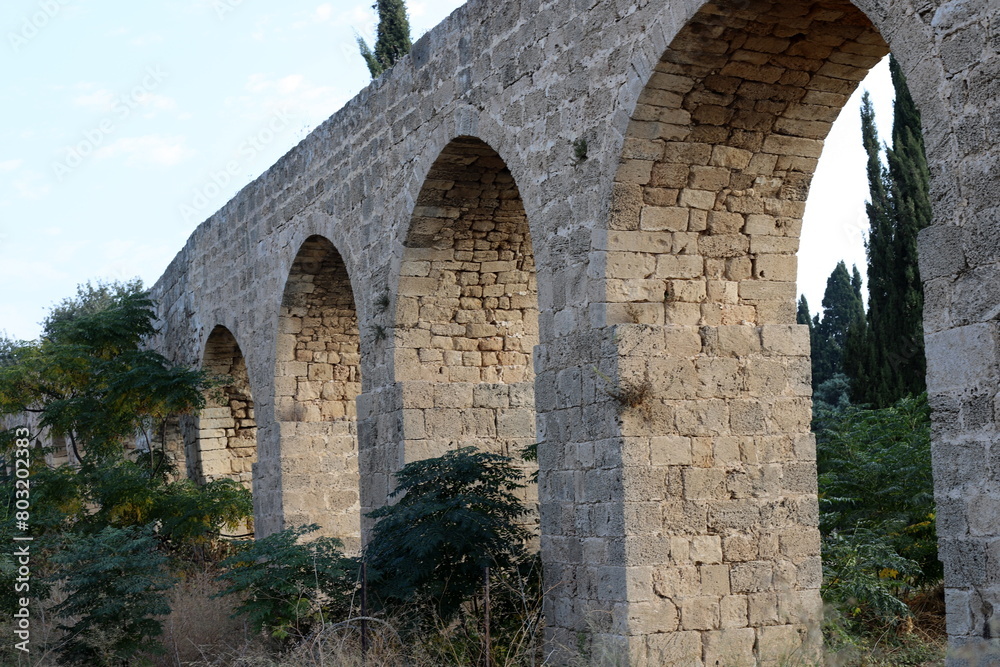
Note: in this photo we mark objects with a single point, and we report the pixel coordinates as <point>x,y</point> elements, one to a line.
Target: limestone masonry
<point>576,223</point>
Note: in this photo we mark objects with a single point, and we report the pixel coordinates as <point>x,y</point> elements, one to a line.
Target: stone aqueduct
<point>440,263</point>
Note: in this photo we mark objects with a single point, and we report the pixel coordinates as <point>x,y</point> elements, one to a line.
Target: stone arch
<point>225,444</point>
<point>718,158</point>
<point>717,468</point>
<point>467,309</point>
<point>317,381</point>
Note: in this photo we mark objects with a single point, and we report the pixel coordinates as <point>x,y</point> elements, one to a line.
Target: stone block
<point>670,450</point>
<point>751,576</point>
<point>732,647</point>
<point>700,613</point>
<point>657,218</point>
<point>674,648</point>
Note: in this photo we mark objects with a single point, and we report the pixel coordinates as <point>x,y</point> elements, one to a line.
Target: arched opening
<point>719,156</point>
<point>318,378</point>
<point>467,309</point>
<point>719,468</point>
<point>226,429</point>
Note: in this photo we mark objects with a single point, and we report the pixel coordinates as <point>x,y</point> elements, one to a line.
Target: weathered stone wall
<point>467,311</point>
<point>317,379</point>
<point>226,433</point>
<point>677,495</point>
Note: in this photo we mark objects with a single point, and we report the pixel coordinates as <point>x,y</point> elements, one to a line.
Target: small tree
<point>116,587</point>
<point>393,37</point>
<point>456,515</point>
<point>287,586</point>
<point>91,380</point>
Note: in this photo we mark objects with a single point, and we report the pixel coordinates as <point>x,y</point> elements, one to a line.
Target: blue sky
<point>127,124</point>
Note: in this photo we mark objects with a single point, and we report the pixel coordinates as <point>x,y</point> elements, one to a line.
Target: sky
<point>127,124</point>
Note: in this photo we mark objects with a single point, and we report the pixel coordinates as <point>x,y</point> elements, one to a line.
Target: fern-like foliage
<point>456,515</point>
<point>876,507</point>
<point>875,469</point>
<point>287,586</point>
<point>116,584</point>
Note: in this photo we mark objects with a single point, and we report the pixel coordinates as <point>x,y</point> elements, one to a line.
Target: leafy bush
<point>116,585</point>
<point>875,472</point>
<point>288,586</point>
<point>863,575</point>
<point>456,515</point>
<point>876,507</point>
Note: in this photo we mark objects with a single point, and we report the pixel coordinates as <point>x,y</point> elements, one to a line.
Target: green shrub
<point>862,575</point>
<point>288,586</point>
<point>875,472</point>
<point>876,508</point>
<point>456,515</point>
<point>116,587</point>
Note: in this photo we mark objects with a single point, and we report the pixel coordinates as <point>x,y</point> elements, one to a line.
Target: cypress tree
<point>886,361</point>
<point>392,37</point>
<point>856,284</point>
<point>802,316</point>
<point>842,309</point>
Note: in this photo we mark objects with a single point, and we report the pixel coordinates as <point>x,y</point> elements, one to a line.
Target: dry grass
<point>198,624</point>
<point>200,633</point>
<point>920,641</point>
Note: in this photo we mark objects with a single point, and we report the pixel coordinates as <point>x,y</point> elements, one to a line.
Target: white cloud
<point>105,101</point>
<point>324,12</point>
<point>417,9</point>
<point>157,102</point>
<point>10,165</point>
<point>292,94</point>
<point>124,259</point>
<point>151,150</point>
<point>100,100</point>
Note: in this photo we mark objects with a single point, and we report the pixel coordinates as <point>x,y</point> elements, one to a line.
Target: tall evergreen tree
<point>886,359</point>
<point>803,316</point>
<point>392,37</point>
<point>842,309</point>
<point>856,284</point>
